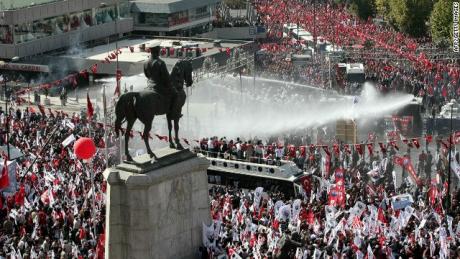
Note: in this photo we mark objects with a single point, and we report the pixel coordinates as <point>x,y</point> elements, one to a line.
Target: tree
<point>382,8</point>
<point>410,16</point>
<point>441,21</point>
<point>363,8</point>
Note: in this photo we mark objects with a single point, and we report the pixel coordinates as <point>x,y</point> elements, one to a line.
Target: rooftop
<point>18,4</point>
<point>131,63</point>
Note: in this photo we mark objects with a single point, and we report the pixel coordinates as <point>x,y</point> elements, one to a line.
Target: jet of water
<point>235,107</point>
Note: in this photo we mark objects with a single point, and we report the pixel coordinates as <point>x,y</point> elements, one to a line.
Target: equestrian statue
<point>164,95</point>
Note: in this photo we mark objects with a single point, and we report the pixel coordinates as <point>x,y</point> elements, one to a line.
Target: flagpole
<point>104,104</point>
<point>36,157</point>
<point>87,112</point>
<point>7,115</point>
<point>93,200</point>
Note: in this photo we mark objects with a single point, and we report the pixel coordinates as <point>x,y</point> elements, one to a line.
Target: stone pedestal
<point>156,210</point>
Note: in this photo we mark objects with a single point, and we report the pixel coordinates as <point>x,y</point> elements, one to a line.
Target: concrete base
<point>156,210</point>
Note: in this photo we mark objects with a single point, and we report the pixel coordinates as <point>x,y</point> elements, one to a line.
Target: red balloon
<point>84,148</point>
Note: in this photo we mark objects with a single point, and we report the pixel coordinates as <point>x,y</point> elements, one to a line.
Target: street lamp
<point>102,5</point>
<point>7,115</point>
<point>448,207</point>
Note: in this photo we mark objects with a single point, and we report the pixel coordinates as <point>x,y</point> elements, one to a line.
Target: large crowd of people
<point>394,61</point>
<point>350,205</point>
<point>369,219</point>
<point>54,207</point>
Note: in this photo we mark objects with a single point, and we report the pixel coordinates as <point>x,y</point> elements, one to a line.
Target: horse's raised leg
<point>171,143</point>
<point>176,132</point>
<point>127,133</point>
<point>147,128</point>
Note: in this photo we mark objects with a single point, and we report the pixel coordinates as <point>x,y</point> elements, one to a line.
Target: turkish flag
<point>326,150</point>
<point>89,107</point>
<point>165,138</point>
<point>312,149</point>
<point>359,149</point>
<point>416,143</point>
<point>381,216</point>
<point>393,143</point>
<point>4,177</point>
<point>19,197</point>
<point>292,151</point>
<point>429,138</point>
<point>94,69</point>
<point>433,194</point>
<point>347,148</point>
<point>310,217</point>
<point>370,148</point>
<point>382,147</point>
<point>84,73</point>
<point>303,151</point>
<point>336,149</point>
<point>42,109</point>
<point>306,184</point>
<point>399,160</point>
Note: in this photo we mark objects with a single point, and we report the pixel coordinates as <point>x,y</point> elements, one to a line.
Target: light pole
<point>7,114</point>
<point>330,81</point>
<point>314,25</point>
<point>117,15</point>
<point>450,157</point>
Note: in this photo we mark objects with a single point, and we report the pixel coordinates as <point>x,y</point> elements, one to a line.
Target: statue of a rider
<point>158,76</point>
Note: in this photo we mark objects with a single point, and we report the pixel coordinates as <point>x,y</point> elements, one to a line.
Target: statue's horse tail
<point>125,104</point>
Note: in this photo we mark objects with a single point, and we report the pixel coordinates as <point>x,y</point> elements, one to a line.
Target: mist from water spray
<point>221,107</point>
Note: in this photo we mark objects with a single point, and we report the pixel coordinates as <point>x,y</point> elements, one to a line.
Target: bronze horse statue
<point>144,105</point>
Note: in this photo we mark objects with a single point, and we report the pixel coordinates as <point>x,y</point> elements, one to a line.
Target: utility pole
<point>7,114</point>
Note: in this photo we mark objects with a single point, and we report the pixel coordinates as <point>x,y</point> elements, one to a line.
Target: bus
<point>355,73</point>
<point>286,178</point>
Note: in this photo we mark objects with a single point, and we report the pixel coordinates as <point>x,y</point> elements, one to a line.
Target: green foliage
<point>363,8</point>
<point>382,7</point>
<point>441,21</point>
<point>410,16</point>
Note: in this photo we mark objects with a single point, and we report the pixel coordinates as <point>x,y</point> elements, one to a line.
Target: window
<point>201,12</point>
<point>106,14</point>
<point>6,37</point>
<point>154,19</point>
<point>178,18</point>
<point>52,26</point>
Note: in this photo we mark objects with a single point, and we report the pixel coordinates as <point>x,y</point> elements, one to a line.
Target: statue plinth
<point>156,210</point>
<point>166,156</point>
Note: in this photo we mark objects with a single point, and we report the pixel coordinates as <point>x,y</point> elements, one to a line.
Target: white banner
<point>454,166</point>
<point>68,140</point>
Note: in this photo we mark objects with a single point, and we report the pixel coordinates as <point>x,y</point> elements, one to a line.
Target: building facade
<point>173,17</point>
<point>27,30</point>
